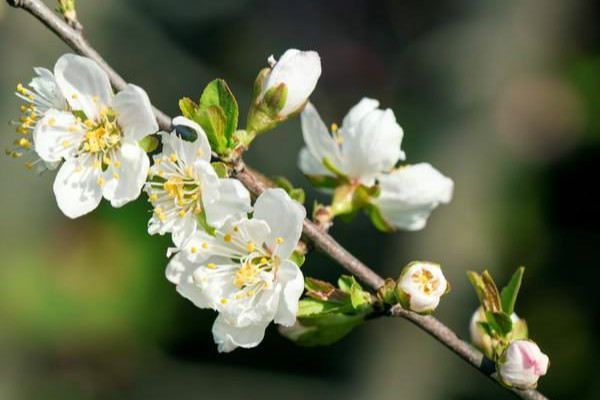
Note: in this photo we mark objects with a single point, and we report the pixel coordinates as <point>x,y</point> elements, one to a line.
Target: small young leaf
<point>509,292</point>
<point>212,120</point>
<point>499,322</point>
<point>217,94</point>
<point>322,331</point>
<point>188,107</point>
<point>486,328</point>
<point>308,307</point>
<point>492,296</point>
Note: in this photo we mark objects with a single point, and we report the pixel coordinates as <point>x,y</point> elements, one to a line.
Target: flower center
<point>174,189</point>
<point>425,281</point>
<point>103,135</point>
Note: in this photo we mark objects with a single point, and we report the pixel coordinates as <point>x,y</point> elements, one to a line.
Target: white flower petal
<point>124,184</point>
<point>76,187</point>
<point>180,272</point>
<point>82,81</point>
<point>290,276</point>
<point>358,111</point>
<point>300,71</point>
<point>57,135</point>
<point>409,195</point>
<point>309,165</point>
<point>191,151</point>
<point>233,201</point>
<point>372,146</point>
<point>317,138</point>
<point>45,86</point>
<point>229,337</point>
<point>134,113</point>
<point>284,216</point>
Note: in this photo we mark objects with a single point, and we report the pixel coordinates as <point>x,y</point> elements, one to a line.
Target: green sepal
<point>342,202</point>
<point>149,143</point>
<point>221,169</point>
<point>387,292</point>
<point>323,181</point>
<point>297,258</point>
<point>509,293</point>
<point>263,114</point>
<point>243,138</point>
<point>377,219</point>
<point>201,219</point>
<point>331,167</point>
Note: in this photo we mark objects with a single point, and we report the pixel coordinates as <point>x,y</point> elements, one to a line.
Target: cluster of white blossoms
<point>365,150</point>
<point>224,259</point>
<point>80,126</point>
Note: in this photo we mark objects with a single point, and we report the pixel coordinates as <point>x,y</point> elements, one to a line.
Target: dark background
<point>502,96</point>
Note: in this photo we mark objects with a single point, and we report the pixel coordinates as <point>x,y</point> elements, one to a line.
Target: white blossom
<point>244,271</point>
<point>97,137</point>
<point>183,186</point>
<point>421,285</point>
<point>299,71</point>
<point>366,145</point>
<point>409,195</point>
<point>522,364</point>
<point>42,95</point>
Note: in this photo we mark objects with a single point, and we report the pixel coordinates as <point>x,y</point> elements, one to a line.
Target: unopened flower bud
<point>483,341</point>
<point>420,286</point>
<point>522,364</point>
<point>299,71</point>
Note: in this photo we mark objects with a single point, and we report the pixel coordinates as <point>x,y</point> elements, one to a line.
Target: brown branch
<point>257,183</point>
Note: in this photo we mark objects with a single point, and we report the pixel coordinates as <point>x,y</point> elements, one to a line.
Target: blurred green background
<point>502,96</point>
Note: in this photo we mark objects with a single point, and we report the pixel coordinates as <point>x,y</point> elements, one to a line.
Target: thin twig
<point>256,183</point>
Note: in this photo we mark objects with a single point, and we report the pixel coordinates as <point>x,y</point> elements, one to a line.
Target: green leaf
<point>487,329</point>
<point>149,143</point>
<point>509,293</point>
<point>217,94</point>
<point>358,297</point>
<point>188,108</point>
<point>492,294</point>
<point>212,120</point>
<point>324,330</point>
<point>499,322</point>
<point>221,169</point>
<point>311,307</point>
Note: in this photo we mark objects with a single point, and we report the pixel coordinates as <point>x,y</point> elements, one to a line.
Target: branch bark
<point>257,183</point>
